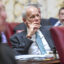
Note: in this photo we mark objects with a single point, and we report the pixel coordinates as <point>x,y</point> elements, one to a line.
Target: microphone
<point>54,52</point>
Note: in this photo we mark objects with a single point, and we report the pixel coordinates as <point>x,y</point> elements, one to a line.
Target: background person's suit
<point>6,54</point>
<point>53,21</point>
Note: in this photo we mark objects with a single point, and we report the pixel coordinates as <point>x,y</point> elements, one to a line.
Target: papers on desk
<point>34,57</point>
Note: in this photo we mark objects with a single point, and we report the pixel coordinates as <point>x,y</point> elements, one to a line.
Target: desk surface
<point>57,61</point>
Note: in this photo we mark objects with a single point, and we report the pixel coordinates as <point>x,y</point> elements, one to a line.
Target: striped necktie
<point>40,44</point>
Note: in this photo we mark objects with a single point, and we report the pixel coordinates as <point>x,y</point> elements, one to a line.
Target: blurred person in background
<point>61,16</point>
<point>60,20</point>
<point>3,22</point>
<point>6,53</point>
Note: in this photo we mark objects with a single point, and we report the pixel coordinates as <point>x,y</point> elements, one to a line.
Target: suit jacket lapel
<point>45,31</point>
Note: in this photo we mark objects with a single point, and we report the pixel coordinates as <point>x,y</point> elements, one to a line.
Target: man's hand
<point>32,28</point>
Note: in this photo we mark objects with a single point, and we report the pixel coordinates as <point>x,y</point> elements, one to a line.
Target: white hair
<point>25,10</point>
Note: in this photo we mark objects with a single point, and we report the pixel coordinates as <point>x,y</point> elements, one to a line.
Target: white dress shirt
<point>34,50</point>
<point>4,40</point>
<point>45,43</point>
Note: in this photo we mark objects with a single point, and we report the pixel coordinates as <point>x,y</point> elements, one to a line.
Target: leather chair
<point>10,31</point>
<point>58,37</point>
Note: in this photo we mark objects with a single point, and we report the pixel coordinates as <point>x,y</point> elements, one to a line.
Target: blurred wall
<point>14,8</point>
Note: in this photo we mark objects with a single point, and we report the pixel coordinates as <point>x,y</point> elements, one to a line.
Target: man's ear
<point>24,20</point>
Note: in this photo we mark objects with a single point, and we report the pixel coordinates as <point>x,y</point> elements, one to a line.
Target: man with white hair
<point>60,20</point>
<point>36,39</point>
<point>44,22</point>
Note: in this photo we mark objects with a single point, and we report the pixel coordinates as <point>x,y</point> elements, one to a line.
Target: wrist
<point>28,36</point>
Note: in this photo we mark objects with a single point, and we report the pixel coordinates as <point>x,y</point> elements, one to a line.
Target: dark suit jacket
<point>6,55</point>
<point>21,44</point>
